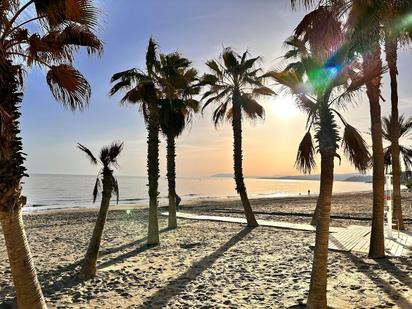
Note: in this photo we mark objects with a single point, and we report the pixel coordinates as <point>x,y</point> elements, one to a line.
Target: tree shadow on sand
<point>65,277</point>
<point>174,287</point>
<point>385,286</point>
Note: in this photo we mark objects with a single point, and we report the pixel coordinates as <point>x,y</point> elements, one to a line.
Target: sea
<point>46,191</point>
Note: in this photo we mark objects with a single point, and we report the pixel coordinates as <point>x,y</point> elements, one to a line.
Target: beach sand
<point>207,264</point>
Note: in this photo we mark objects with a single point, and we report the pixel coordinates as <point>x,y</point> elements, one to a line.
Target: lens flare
<point>323,77</point>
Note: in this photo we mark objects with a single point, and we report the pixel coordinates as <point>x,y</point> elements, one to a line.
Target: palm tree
<point>176,110</point>
<point>321,82</point>
<point>63,26</point>
<point>396,32</point>
<point>234,82</point>
<point>108,160</point>
<point>405,129</point>
<point>141,87</point>
<point>364,19</point>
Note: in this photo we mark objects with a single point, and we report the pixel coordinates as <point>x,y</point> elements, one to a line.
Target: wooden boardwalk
<point>354,238</point>
<point>277,224</point>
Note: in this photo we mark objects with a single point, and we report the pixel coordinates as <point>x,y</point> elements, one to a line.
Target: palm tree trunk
<point>28,290</point>
<point>88,270</point>
<point>391,50</point>
<point>153,172</point>
<point>372,64</point>
<point>318,283</point>
<point>238,157</point>
<point>315,217</point>
<point>171,179</point>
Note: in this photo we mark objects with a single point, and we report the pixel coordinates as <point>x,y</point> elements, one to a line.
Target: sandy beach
<point>208,264</point>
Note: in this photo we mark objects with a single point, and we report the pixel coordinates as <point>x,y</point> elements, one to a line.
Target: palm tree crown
<point>63,26</point>
<point>179,81</point>
<point>322,83</point>
<point>234,77</point>
<point>405,129</point>
<point>108,160</point>
<point>140,86</point>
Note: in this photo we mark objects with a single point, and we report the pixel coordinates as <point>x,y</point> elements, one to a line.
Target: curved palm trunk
<point>88,270</point>
<point>153,173</point>
<point>372,63</point>
<point>28,290</point>
<point>318,283</point>
<point>237,157</point>
<point>171,179</point>
<point>391,50</point>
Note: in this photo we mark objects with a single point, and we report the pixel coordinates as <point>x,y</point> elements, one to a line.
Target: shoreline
<point>30,210</point>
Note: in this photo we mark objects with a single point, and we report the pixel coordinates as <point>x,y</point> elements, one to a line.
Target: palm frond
<point>96,189</point>
<point>115,190</point>
<point>59,12</point>
<point>356,149</point>
<point>214,66</point>
<point>229,58</point>
<point>151,55</point>
<point>89,154</point>
<point>76,35</point>
<point>220,112</point>
<point>68,86</point>
<point>263,91</point>
<point>405,126</point>
<point>114,151</point>
<point>251,107</point>
<point>305,159</point>
<point>387,156</point>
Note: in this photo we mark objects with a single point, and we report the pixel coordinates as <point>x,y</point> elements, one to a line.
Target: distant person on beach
<point>178,200</point>
<point>308,192</point>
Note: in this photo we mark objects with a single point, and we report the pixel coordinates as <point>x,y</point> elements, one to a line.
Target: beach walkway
<point>277,224</point>
<point>354,238</point>
<point>357,239</point>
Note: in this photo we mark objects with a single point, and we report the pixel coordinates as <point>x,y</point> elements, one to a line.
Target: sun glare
<point>284,107</point>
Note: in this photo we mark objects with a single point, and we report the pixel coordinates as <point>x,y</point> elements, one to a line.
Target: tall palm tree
<point>234,81</point>
<point>321,81</point>
<point>323,32</point>
<point>141,87</point>
<point>405,152</point>
<point>176,110</point>
<point>396,32</point>
<point>108,160</point>
<point>63,26</point>
<point>365,22</point>
<point>364,19</point>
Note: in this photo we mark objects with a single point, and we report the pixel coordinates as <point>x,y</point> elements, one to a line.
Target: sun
<point>283,106</point>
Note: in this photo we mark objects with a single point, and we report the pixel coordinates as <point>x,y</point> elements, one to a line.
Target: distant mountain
<point>352,177</point>
<point>338,177</point>
<point>222,175</point>
<point>360,178</point>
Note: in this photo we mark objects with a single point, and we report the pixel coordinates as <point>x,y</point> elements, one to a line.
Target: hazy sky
<point>199,29</point>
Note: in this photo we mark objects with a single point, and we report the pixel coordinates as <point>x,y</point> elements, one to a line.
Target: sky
<point>199,30</point>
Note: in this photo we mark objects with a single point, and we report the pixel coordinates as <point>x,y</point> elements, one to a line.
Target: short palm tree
<point>234,82</point>
<point>321,82</point>
<point>405,152</point>
<point>176,110</point>
<point>62,27</point>
<point>141,87</point>
<point>108,160</point>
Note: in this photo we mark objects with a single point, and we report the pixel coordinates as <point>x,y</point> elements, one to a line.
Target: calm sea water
<point>71,191</point>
